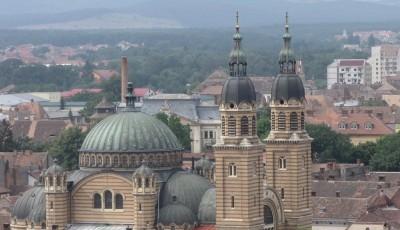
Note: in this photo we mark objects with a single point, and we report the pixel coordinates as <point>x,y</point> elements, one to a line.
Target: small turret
<point>145,194</point>
<point>57,197</point>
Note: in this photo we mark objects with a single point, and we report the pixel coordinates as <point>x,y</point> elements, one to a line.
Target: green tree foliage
<point>329,145</point>
<point>6,137</point>
<point>65,147</point>
<point>364,151</point>
<point>387,154</point>
<point>263,123</point>
<point>182,132</point>
<point>371,41</point>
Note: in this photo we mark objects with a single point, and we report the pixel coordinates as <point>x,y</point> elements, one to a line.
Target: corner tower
<point>239,155</point>
<point>57,198</point>
<point>288,149</point>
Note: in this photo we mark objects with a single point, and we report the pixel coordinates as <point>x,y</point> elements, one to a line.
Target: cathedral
<point>130,174</point>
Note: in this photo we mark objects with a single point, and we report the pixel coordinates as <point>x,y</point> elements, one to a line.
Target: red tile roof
<point>351,62</point>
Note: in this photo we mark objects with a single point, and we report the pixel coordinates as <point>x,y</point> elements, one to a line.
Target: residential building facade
<point>384,61</point>
<point>349,72</point>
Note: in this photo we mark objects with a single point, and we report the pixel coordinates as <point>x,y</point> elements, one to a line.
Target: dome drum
<point>130,161</point>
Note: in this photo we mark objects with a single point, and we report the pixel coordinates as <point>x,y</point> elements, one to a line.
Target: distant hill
<point>191,13</point>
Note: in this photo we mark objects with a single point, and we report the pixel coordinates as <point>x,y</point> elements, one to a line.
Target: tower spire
<point>287,61</point>
<point>130,97</point>
<point>237,60</point>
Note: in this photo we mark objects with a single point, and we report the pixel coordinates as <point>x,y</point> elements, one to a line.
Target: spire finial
<point>287,18</point>
<point>237,21</point>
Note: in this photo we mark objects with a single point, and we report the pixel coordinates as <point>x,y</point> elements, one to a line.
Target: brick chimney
<point>124,78</point>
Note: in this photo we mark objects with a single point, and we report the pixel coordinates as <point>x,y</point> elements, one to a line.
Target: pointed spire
<point>287,61</point>
<point>237,62</point>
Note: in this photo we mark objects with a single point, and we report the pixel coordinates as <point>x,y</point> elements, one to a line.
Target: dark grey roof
<point>130,132</point>
<point>176,214</point>
<point>143,171</point>
<point>54,169</point>
<point>237,90</point>
<point>183,108</point>
<point>31,205</point>
<point>287,86</point>
<point>208,112</point>
<point>207,208</point>
<point>187,188</point>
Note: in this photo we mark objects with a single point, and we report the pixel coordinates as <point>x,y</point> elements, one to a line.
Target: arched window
<point>231,126</point>
<point>232,170</point>
<point>293,121</point>
<point>108,161</point>
<point>58,180</point>
<point>254,126</point>
<point>272,120</point>
<point>139,181</point>
<point>281,121</point>
<point>302,120</point>
<point>232,202</point>
<point>86,160</point>
<point>100,161</point>
<point>107,200</point>
<point>282,163</point>
<point>96,201</point>
<point>124,161</point>
<point>147,182</point>
<point>223,125</point>
<point>119,203</point>
<point>92,160</point>
<point>244,126</point>
<point>115,161</point>
<point>51,181</point>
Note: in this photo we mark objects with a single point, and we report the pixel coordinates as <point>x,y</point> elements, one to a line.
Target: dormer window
<point>342,125</point>
<point>369,125</point>
<point>354,125</point>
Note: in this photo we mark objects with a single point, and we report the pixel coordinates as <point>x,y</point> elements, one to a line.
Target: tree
<point>371,40</point>
<point>263,123</point>
<point>65,147</point>
<point>329,145</point>
<point>387,154</point>
<point>364,151</point>
<point>182,132</point>
<point>6,137</point>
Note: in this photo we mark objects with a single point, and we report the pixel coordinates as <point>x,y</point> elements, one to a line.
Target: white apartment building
<point>384,61</point>
<point>349,72</point>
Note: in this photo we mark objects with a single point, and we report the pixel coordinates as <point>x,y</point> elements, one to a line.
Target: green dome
<point>130,132</point>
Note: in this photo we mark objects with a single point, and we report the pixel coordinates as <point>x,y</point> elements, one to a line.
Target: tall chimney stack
<point>124,78</point>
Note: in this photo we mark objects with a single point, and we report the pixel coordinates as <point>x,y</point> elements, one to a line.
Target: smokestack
<point>124,78</point>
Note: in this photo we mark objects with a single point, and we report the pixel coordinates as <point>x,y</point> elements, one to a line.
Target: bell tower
<point>239,154</point>
<point>57,198</point>
<point>288,146</point>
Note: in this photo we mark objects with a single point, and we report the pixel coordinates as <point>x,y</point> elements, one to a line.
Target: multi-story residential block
<point>384,61</point>
<point>349,72</point>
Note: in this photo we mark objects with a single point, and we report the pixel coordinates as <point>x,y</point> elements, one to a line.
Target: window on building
<point>108,161</point>
<point>281,121</point>
<point>58,180</point>
<point>96,201</point>
<point>205,134</point>
<point>244,126</point>
<point>368,125</point>
<point>232,170</point>
<point>302,120</point>
<point>282,163</point>
<point>223,125</point>
<point>272,120</point>
<point>133,162</point>
<point>140,207</point>
<point>354,125</point>
<point>119,203</point>
<point>293,121</point>
<point>147,182</point>
<point>107,200</point>
<point>124,162</point>
<point>282,193</point>
<point>232,202</point>
<point>99,161</point>
<point>211,134</point>
<point>139,181</point>
<point>92,160</point>
<point>51,181</point>
<point>231,126</point>
<point>86,160</point>
<point>43,226</point>
<point>115,161</point>
<point>342,125</point>
<point>253,126</point>
<point>51,205</point>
